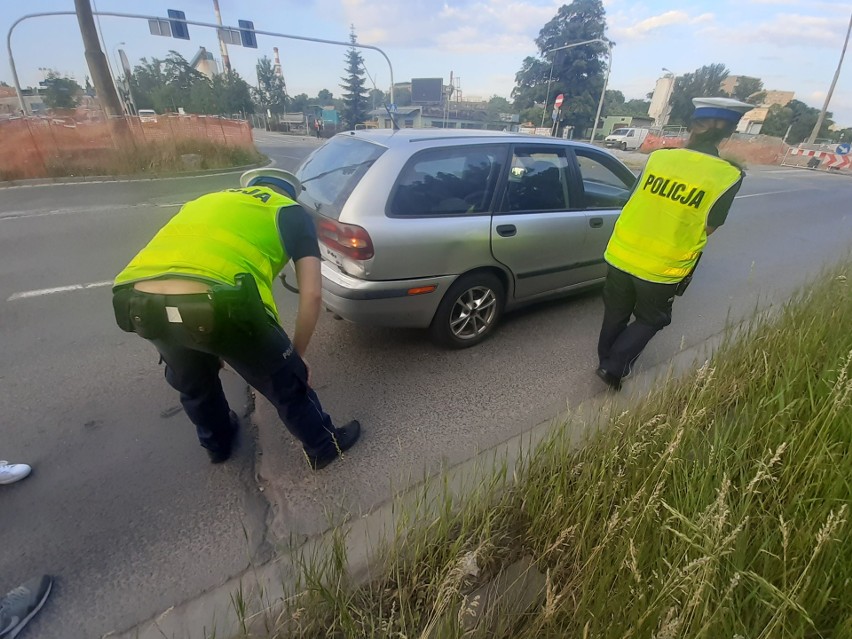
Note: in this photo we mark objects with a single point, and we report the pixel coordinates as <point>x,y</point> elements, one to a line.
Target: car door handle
<point>596,222</point>
<point>507,230</point>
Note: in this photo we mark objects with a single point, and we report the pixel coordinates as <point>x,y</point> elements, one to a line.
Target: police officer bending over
<point>682,196</point>
<point>201,292</point>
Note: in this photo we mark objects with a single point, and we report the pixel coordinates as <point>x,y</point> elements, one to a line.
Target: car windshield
<point>330,173</point>
<point>619,132</point>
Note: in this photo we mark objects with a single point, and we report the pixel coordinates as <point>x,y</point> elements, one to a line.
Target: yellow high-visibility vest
<point>216,237</point>
<point>661,230</point>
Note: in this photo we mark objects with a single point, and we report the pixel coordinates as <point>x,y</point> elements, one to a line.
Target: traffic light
<point>249,39</point>
<point>178,22</point>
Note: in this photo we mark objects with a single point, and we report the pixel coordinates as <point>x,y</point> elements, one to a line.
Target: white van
<point>626,139</point>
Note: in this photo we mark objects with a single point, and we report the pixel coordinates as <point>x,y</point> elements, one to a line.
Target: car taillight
<point>350,240</point>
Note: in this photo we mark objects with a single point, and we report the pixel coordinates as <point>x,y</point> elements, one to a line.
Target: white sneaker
<point>10,473</point>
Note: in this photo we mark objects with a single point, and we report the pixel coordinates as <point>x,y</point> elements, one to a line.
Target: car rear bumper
<point>385,303</point>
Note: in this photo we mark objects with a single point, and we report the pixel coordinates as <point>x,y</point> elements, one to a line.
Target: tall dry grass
<point>716,508</point>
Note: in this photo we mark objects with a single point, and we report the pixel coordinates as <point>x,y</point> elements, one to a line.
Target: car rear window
<point>619,132</point>
<point>448,181</point>
<point>332,172</point>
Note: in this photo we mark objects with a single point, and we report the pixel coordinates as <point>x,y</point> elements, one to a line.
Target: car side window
<point>606,183</point>
<point>448,181</point>
<point>537,181</point>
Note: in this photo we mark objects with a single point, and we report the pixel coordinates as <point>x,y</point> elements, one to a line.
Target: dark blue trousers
<point>264,357</point>
<point>626,296</point>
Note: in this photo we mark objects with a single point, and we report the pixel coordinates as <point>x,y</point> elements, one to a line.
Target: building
<point>660,109</point>
<point>436,117</point>
<point>753,120</point>
<point>612,122</point>
<point>205,63</point>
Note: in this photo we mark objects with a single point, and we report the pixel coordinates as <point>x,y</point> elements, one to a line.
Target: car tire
<point>469,311</point>
<point>624,146</point>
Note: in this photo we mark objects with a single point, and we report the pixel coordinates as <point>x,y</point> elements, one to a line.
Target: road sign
<point>249,39</point>
<point>178,21</point>
<point>844,148</point>
<point>558,102</point>
<point>554,115</point>
<point>230,36</point>
<point>392,108</point>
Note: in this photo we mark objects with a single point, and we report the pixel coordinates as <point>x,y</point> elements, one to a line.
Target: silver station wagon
<point>446,230</point>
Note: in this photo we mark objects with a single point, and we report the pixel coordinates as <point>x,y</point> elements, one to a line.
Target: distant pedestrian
<point>681,197</point>
<point>201,292</point>
<point>20,605</point>
<point>318,127</point>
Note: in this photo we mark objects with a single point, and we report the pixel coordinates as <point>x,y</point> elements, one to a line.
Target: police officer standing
<point>201,292</point>
<point>682,196</point>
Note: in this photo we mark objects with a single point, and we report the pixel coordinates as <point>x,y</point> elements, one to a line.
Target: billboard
<point>427,90</point>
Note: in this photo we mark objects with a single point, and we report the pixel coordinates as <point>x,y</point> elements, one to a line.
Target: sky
<point>791,45</point>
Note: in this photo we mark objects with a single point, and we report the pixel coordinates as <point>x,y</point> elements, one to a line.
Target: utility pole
<point>226,61</point>
<point>821,117</point>
<point>96,60</point>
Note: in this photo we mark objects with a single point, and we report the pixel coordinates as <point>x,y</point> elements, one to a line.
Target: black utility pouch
<point>148,315</point>
<point>199,317</point>
<point>241,304</point>
<point>121,308</point>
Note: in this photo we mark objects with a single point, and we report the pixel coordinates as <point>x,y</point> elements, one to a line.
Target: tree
<point>799,117</point>
<point>577,72</point>
<point>701,83</point>
<point>745,87</point>
<point>271,93</point>
<point>62,92</point>
<point>355,105</point>
<point>325,97</point>
<point>615,104</point>
<point>233,94</point>
<point>299,103</point>
<point>496,106</point>
<point>377,98</point>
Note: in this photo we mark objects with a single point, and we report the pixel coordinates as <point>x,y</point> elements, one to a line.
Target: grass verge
<point>717,507</point>
<point>152,158</point>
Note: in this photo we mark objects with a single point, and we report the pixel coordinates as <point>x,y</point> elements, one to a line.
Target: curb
<point>100,179</point>
<point>263,587</point>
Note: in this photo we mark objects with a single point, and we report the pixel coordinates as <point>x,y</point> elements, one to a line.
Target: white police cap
<point>274,177</point>
<point>720,108</point>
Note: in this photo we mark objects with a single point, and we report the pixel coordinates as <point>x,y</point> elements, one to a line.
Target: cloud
<point>643,27</point>
<point>788,29</point>
<point>465,26</point>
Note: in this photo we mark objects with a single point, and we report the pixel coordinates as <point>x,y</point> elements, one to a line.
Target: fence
<point>35,146</point>
<point>818,158</point>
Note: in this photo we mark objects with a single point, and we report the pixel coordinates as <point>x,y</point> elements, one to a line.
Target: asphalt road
<point>123,506</point>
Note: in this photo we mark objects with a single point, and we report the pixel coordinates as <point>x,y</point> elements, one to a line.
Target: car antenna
<point>393,119</point>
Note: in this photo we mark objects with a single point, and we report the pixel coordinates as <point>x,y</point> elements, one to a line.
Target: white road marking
<point>17,215</point>
<point>771,193</point>
<point>58,289</point>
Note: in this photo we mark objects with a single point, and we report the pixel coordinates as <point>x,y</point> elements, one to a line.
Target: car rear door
<point>539,226</point>
<point>605,186</point>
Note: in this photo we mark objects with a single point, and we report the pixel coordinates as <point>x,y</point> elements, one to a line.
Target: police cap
<point>278,178</point>
<point>720,109</point>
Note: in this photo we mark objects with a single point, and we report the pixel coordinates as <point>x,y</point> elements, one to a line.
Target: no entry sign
<point>558,102</point>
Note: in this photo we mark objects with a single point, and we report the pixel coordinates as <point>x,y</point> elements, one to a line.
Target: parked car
<point>446,230</point>
<point>147,115</point>
<point>626,139</point>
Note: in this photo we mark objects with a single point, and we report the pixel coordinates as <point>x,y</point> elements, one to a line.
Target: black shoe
<point>344,439</point>
<point>609,379</point>
<point>222,454</point>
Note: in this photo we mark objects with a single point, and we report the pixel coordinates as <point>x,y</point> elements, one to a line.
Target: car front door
<point>539,229</point>
<point>606,185</point>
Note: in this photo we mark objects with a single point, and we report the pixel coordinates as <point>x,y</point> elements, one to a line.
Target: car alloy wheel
<point>473,313</point>
<point>469,310</point>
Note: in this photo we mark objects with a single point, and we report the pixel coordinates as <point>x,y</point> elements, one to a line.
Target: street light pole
<point>821,117</point>
<point>603,93</point>
<point>569,46</point>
